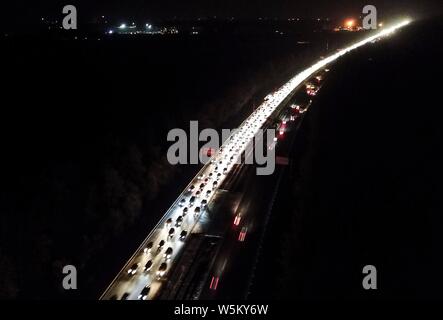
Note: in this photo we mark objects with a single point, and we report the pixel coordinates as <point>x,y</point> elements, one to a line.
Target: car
<point>161,270</point>
<point>215,184</point>
<point>204,203</point>
<point>237,220</point>
<point>225,169</point>
<point>182,202</point>
<point>185,211</point>
<point>202,186</point>
<point>171,232</point>
<point>133,269</point>
<point>147,266</point>
<point>242,234</point>
<point>200,177</point>
<point>206,180</point>
<point>214,282</point>
<point>197,210</point>
<point>198,193</point>
<point>191,188</point>
<point>208,193</point>
<point>183,235</point>
<point>191,201</point>
<point>148,247</point>
<point>168,222</point>
<point>125,296</point>
<point>160,245</point>
<point>218,175</point>
<point>144,293</point>
<point>210,175</point>
<point>179,221</point>
<point>168,253</point>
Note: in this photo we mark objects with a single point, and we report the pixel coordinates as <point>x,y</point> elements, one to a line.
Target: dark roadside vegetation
<point>366,180</point>
<point>83,138</point>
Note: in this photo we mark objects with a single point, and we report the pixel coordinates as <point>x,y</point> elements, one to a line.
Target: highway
<point>202,192</point>
<point>232,268</point>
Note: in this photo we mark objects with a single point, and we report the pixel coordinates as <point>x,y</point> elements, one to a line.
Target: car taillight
<point>241,236</point>
<point>214,283</point>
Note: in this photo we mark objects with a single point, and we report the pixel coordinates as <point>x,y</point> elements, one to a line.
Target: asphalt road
<point>232,269</point>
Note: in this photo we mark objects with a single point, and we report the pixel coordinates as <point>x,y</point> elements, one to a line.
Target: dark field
<point>366,187</point>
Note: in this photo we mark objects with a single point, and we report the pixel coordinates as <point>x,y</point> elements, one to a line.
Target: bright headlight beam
<point>302,76</point>
<point>272,101</point>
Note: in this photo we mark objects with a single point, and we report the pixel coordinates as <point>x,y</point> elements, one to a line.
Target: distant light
<point>350,23</point>
<point>122,26</point>
<point>380,24</point>
<point>111,31</point>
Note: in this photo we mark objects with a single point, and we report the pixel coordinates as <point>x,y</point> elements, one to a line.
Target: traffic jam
<point>148,268</point>
<point>150,265</point>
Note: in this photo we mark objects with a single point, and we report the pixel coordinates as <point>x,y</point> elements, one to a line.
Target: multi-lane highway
<point>146,272</point>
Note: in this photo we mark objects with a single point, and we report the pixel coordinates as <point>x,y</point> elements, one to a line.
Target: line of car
<point>204,187</point>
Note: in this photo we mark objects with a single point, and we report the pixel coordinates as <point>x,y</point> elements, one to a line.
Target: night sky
<point>19,11</point>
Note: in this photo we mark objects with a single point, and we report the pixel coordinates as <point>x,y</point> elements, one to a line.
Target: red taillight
<point>237,220</point>
<point>214,283</point>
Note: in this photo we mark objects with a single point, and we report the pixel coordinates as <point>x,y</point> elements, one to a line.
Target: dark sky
<point>17,10</point>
